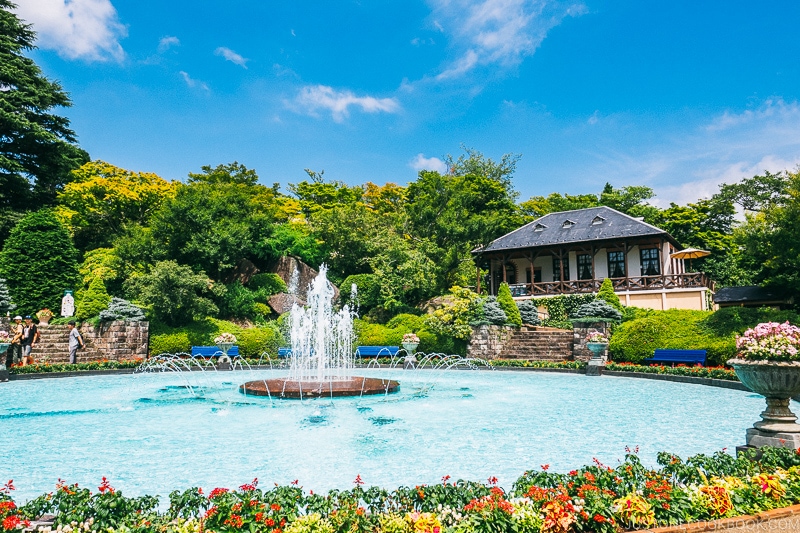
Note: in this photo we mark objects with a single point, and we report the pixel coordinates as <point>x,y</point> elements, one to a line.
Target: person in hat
<point>14,353</point>
<point>75,342</point>
<point>30,336</point>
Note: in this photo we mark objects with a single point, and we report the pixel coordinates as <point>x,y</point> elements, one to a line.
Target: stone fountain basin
<point>287,388</point>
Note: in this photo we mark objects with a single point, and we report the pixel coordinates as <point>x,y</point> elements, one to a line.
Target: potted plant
<point>410,342</point>
<point>44,316</point>
<point>768,363</point>
<point>225,341</point>
<point>597,343</point>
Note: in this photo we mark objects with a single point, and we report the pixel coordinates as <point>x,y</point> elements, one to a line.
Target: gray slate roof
<point>550,230</point>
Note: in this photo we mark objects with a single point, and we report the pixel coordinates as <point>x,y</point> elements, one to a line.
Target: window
<point>616,265</point>
<point>557,269</point>
<point>585,266</point>
<point>651,266</point>
<point>597,220</point>
<point>567,224</point>
<point>537,275</point>
<point>511,274</point>
<point>539,227</point>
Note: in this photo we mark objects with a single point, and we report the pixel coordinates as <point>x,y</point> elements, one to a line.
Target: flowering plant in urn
<point>225,338</point>
<point>596,336</point>
<point>770,341</point>
<point>410,338</point>
<point>3,337</point>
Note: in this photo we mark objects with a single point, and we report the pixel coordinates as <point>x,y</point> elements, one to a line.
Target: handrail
<point>634,283</point>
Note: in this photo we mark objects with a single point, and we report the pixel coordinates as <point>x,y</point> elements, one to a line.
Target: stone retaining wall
<point>487,342</point>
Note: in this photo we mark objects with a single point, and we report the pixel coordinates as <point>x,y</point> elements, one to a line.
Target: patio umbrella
<point>690,253</point>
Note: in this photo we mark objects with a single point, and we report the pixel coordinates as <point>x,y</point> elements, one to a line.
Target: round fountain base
<point>286,388</point>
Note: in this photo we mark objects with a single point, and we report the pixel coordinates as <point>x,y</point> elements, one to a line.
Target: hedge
<point>252,341</point>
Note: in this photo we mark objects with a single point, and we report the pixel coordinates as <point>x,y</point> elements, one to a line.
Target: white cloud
<point>231,56</point>
<point>167,42</point>
<point>420,162</point>
<point>496,32</point>
<point>76,29</point>
<point>316,97</point>
<point>191,82</point>
<point>691,163</point>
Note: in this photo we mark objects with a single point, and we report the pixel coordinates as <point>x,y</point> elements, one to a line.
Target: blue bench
<point>377,351</point>
<point>284,352</point>
<point>689,357</point>
<point>213,351</point>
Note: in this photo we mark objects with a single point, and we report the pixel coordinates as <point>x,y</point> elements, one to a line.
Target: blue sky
<point>679,96</point>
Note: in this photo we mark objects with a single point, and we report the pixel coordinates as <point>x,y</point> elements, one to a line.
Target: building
<point>574,251</point>
<point>752,296</point>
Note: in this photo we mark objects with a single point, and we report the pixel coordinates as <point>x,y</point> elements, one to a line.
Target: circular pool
<point>153,433</point>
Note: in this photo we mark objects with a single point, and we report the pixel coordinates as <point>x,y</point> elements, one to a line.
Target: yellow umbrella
<point>690,253</point>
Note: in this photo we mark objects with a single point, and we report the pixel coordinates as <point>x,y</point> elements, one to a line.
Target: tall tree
<point>39,261</point>
<point>37,147</point>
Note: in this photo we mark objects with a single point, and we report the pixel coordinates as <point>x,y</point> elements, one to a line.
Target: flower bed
<point>594,498</point>
<point>715,372</point>
<point>38,368</point>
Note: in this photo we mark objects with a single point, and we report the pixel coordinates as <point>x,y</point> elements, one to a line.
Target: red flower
<point>358,481</point>
<point>105,486</point>
<point>493,480</point>
<point>545,467</point>
<point>275,507</point>
<point>446,478</point>
<point>8,487</point>
<point>249,486</point>
<point>217,492</point>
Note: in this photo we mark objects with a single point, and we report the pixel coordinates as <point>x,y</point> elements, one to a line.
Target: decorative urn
<point>767,364</point>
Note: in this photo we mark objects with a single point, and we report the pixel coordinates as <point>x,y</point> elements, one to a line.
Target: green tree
<point>508,305</point>
<point>37,148</point>
<point>759,192</point>
<point>607,294</point>
<point>174,292</point>
<point>39,261</point>
<point>93,300</point>
<point>538,206</point>
<point>631,200</point>
<point>771,239</point>
<point>101,200</point>
<point>216,221</point>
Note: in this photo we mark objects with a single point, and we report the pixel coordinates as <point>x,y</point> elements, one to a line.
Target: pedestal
<point>595,367</point>
<point>3,373</point>
<point>757,438</point>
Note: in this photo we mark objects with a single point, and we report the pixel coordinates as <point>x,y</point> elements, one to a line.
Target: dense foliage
<point>596,497</point>
<point>39,262</point>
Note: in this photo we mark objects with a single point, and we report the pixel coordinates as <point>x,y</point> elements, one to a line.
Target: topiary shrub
<point>409,322</point>
<point>39,262</point>
<point>596,311</point>
<point>529,312</point>
<point>94,300</point>
<point>120,309</point>
<point>508,305</point>
<point>368,287</point>
<point>607,294</point>
<point>493,313</point>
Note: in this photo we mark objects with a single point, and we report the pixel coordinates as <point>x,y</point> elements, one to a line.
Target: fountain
<point>322,358</point>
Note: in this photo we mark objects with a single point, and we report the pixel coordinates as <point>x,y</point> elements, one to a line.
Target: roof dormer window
<point>567,224</point>
<point>539,227</point>
<point>596,221</point>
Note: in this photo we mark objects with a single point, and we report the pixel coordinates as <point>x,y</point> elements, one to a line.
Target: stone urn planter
<point>597,349</point>
<point>225,346</point>
<point>778,382</point>
<point>410,347</point>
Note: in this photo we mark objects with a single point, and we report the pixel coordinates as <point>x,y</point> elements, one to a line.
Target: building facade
<point>572,252</point>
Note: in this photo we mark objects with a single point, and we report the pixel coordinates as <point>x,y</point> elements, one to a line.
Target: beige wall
<point>675,299</point>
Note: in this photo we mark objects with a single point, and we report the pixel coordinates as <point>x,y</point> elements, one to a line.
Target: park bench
<point>673,357</point>
<point>284,352</point>
<point>377,351</point>
<point>213,351</point>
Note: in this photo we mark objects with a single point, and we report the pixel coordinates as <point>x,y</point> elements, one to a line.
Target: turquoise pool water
<point>149,433</point>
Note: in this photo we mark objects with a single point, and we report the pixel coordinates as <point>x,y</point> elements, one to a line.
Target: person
<point>14,353</point>
<point>30,336</point>
<point>75,342</point>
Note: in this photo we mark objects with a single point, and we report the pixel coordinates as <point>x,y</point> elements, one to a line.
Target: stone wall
<point>117,340</point>
<point>581,330</point>
<point>487,342</point>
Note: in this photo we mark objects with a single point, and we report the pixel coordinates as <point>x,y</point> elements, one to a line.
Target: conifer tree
<point>508,305</point>
<point>95,299</point>
<point>607,294</point>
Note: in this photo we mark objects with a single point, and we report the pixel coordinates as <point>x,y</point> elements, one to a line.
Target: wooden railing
<point>640,283</point>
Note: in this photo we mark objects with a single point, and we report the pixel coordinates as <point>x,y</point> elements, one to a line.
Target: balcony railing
<point>640,283</point>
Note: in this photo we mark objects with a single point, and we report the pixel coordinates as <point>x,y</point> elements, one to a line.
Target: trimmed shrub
<point>368,290</point>
<point>529,312</point>
<point>735,320</point>
<point>493,313</point>
<point>252,342</point>
<point>370,334</point>
<point>94,300</point>
<point>607,294</point>
<point>508,305</point>
<point>412,323</point>
<point>637,339</point>
<point>120,309</point>
<point>266,284</point>
<point>597,311</point>
<point>559,308</point>
<point>453,319</point>
<point>39,262</point>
